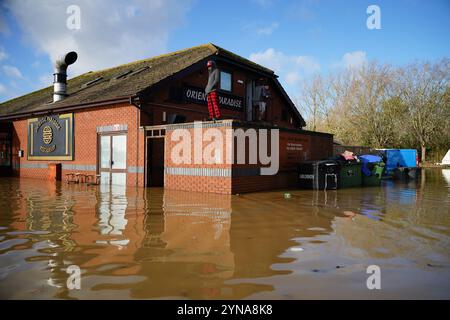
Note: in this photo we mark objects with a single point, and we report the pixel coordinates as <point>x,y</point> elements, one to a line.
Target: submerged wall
<point>229,171</point>
<point>88,125</point>
<point>225,176</point>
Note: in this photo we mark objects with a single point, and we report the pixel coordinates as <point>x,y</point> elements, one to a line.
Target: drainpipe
<point>134,100</point>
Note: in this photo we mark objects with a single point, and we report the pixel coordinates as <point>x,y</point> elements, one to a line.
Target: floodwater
<point>154,243</point>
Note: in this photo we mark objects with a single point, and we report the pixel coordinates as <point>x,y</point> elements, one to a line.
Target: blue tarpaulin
<point>399,158</point>
<point>366,160</point>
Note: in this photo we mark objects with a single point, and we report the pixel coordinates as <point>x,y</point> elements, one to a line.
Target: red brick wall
<point>85,141</point>
<point>302,146</point>
<point>85,153</point>
<point>294,147</point>
<point>219,185</point>
<point>194,183</point>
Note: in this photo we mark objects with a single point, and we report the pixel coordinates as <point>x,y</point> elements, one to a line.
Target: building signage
<point>226,100</point>
<point>51,137</point>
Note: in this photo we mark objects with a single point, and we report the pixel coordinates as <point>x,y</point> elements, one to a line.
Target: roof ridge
<point>91,73</point>
<point>243,59</point>
<point>167,54</point>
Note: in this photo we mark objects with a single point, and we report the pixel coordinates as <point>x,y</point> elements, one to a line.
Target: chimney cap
<point>70,57</point>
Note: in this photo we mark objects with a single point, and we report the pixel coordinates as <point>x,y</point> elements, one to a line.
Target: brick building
<point>119,122</point>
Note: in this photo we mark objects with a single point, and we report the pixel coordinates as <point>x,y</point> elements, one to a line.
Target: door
<point>5,154</point>
<point>113,159</point>
<point>155,162</point>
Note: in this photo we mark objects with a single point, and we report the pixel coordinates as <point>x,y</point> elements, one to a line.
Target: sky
<point>296,39</point>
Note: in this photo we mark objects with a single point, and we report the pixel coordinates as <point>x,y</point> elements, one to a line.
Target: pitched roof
<point>119,82</point>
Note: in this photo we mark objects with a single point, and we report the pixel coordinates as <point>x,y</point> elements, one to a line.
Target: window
<point>225,81</point>
<point>5,148</point>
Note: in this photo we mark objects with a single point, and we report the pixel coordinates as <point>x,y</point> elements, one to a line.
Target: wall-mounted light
<point>20,153</point>
<point>240,81</point>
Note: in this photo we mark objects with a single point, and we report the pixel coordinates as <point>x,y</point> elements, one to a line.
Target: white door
<point>113,159</point>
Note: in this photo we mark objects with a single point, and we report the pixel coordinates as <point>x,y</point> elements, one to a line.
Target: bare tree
<point>424,89</point>
<point>378,105</point>
<point>313,101</point>
<point>369,115</point>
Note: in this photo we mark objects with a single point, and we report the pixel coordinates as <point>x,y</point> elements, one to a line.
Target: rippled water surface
<point>155,243</point>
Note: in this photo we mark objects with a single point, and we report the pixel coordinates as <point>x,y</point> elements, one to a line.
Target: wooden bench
<point>82,178</point>
<point>72,177</point>
<point>92,179</point>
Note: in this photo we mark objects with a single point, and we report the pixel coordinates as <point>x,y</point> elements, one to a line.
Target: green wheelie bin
<point>350,175</point>
<point>375,177</point>
<point>373,169</point>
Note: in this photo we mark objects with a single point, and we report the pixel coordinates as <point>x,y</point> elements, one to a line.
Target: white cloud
<point>304,10</point>
<point>261,29</point>
<point>290,68</point>
<point>264,3</point>
<point>3,54</point>
<point>353,60</point>
<point>3,26</point>
<point>131,11</point>
<point>112,31</point>
<point>46,80</point>
<point>267,30</point>
<point>2,89</point>
<point>12,72</point>
<point>292,78</point>
<point>9,91</point>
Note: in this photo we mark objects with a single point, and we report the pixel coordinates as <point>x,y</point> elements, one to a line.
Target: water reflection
<point>155,243</point>
<point>446,175</point>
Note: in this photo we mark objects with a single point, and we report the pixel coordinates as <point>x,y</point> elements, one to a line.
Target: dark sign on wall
<point>226,100</point>
<point>51,137</point>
